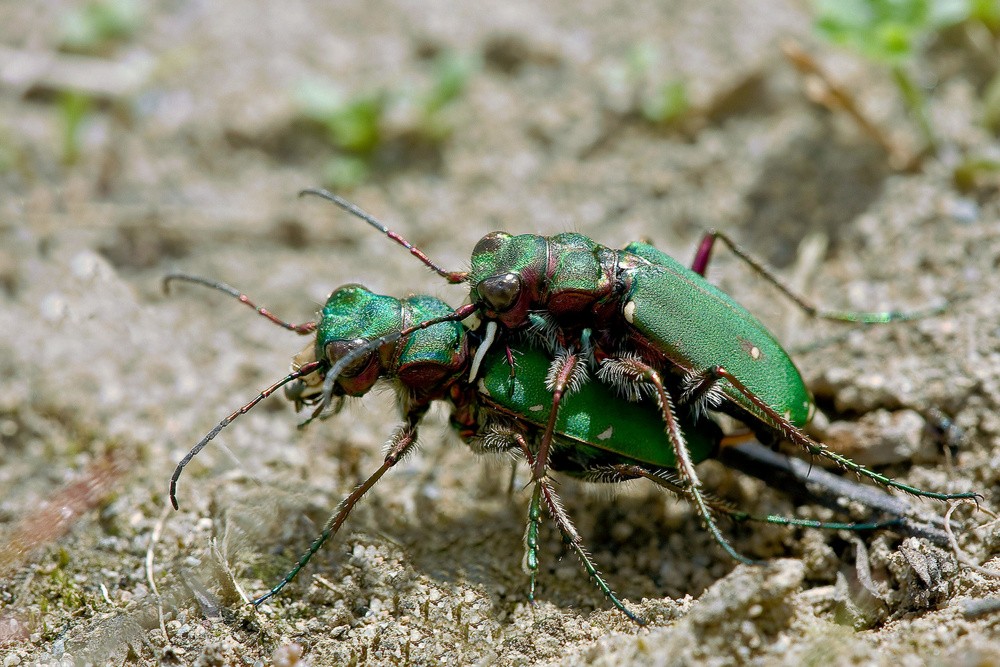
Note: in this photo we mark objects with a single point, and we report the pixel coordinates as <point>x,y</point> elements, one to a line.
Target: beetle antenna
<point>305,370</point>
<point>453,277</point>
<point>301,329</point>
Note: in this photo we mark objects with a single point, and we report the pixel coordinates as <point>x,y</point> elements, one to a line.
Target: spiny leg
<point>499,437</point>
<point>811,484</point>
<point>303,371</point>
<point>667,482</point>
<point>565,375</point>
<point>543,490</point>
<point>705,381</point>
<point>634,370</point>
<point>402,444</point>
<point>301,329</point>
<point>453,277</point>
<point>529,564</point>
<point>703,256</point>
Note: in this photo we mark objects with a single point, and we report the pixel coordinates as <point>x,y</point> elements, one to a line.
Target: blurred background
<point>852,145</point>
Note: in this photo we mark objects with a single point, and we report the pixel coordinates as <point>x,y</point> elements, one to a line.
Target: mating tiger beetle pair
<point>667,347</point>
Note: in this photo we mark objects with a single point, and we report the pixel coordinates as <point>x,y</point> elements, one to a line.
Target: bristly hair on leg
<point>498,438</point>
<point>621,373</point>
<point>578,377</point>
<point>558,512</point>
<point>543,329</point>
<point>701,392</point>
<point>403,432</point>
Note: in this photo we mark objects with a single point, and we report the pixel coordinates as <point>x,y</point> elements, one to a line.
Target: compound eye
<point>490,243</point>
<point>500,292</point>
<point>338,349</point>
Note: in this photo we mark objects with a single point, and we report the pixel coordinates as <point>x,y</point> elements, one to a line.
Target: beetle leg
<point>543,490</point>
<point>703,255</point>
<point>701,392</point>
<point>402,443</point>
<point>566,374</point>
<point>668,482</point>
<point>807,483</point>
<point>795,435</point>
<point>640,371</point>
<point>510,361</point>
<point>529,564</point>
<point>499,437</point>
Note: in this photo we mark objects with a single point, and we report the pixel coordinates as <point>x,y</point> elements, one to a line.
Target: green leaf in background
<point>890,31</point>
<point>667,104</point>
<point>90,28</point>
<point>352,124</point>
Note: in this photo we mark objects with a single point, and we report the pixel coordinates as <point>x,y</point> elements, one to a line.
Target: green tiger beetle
<point>598,436</point>
<point>648,322</point>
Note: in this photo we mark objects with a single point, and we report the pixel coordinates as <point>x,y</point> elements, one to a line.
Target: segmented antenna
<point>453,277</point>
<point>302,372</point>
<point>301,329</point>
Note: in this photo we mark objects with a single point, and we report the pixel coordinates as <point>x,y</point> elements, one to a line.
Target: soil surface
<point>189,155</point>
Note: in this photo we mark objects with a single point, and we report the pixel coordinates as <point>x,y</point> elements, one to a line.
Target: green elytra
<point>599,436</point>
<point>594,427</point>
<point>672,321</point>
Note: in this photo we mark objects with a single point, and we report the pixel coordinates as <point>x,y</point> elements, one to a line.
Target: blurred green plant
<point>991,105</point>
<point>896,33</point>
<point>655,100</point>
<point>8,151</point>
<point>352,124</point>
<point>358,126</point>
<point>95,27</point>
<point>667,104</point>
<point>449,78</point>
<point>986,12</point>
<point>74,111</point>
<point>967,173</point>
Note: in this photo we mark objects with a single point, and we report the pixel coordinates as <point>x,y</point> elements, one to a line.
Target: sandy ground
<point>106,382</point>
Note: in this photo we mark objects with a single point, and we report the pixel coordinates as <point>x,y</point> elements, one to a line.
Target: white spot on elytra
<point>629,311</point>
<point>755,352</point>
<point>610,431</point>
<point>536,408</point>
